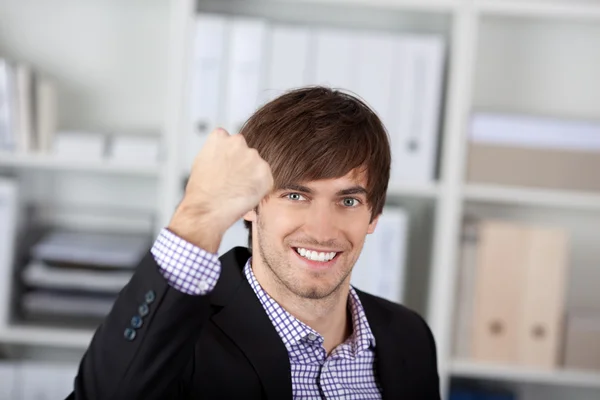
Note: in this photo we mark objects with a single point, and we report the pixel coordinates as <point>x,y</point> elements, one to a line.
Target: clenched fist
<point>227,180</point>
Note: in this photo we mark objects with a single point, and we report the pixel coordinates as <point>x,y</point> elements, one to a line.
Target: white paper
<point>38,274</point>
<point>137,150</point>
<point>74,145</point>
<point>92,248</point>
<point>534,132</point>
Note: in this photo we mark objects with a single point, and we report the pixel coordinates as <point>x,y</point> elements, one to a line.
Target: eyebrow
<point>344,192</point>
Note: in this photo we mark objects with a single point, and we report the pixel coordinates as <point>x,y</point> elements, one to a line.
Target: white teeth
<point>316,256</point>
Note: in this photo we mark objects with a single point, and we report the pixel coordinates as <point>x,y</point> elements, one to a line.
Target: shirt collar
<point>292,331</point>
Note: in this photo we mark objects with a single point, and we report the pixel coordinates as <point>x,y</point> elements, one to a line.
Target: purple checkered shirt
<point>348,372</point>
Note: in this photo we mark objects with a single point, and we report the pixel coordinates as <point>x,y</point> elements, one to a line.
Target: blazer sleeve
<point>142,348</point>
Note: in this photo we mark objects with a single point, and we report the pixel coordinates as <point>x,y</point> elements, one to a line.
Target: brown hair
<point>315,133</point>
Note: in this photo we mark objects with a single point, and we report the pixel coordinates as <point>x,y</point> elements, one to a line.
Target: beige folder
<point>500,277</point>
<point>543,309</point>
<point>519,303</point>
<point>533,167</point>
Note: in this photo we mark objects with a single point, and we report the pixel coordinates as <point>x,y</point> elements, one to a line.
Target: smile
<point>313,255</point>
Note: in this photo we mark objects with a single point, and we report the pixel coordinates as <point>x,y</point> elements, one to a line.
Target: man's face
<point>298,229</point>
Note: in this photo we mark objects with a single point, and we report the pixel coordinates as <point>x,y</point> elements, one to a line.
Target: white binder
<point>380,269</point>
<point>335,58</point>
<point>245,67</point>
<point>207,76</point>
<point>372,82</point>
<point>418,77</point>
<point>289,59</point>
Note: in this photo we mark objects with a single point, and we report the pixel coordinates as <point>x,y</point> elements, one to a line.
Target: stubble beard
<point>283,276</point>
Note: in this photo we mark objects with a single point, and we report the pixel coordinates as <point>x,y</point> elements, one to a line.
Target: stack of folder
<point>511,294</point>
<point>77,275</point>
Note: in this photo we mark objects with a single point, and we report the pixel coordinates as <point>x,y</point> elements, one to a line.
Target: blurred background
<point>492,219</point>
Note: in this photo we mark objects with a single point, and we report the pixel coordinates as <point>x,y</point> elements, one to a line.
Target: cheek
<point>279,221</point>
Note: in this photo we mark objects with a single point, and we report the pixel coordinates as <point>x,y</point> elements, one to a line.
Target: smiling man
<point>277,320</point>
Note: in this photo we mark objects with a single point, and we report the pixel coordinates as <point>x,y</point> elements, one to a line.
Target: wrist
<point>198,225</point>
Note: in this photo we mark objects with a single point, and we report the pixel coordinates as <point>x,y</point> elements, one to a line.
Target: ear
<point>250,216</point>
<point>372,225</point>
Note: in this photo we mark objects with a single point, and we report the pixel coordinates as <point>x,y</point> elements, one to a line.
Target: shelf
<point>477,370</point>
<point>577,201</point>
<point>48,162</point>
<point>43,336</point>
<point>409,5</point>
<point>562,9</point>
<point>427,191</point>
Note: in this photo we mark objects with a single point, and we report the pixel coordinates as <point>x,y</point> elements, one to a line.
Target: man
<point>308,173</point>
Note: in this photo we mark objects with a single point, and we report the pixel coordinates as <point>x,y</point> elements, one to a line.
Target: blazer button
<point>129,334</point>
<point>150,296</point>
<point>143,310</point>
<point>136,321</point>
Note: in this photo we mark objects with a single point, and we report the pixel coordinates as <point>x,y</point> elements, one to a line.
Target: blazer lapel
<point>391,361</point>
<point>244,320</point>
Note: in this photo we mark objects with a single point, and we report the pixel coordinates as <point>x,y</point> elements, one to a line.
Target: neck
<point>328,316</point>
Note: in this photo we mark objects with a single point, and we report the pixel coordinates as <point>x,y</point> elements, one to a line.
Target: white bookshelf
<point>480,70</point>
<point>51,163</point>
<point>509,373</point>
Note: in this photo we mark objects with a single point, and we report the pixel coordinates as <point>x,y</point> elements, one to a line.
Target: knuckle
<point>219,132</point>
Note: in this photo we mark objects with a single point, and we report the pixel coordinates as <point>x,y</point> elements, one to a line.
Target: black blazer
<point>158,343</point>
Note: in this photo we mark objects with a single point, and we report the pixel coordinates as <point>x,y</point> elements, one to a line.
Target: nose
<point>321,224</point>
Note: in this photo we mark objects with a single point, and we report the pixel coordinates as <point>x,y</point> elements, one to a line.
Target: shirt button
<point>312,337</point>
<point>203,286</point>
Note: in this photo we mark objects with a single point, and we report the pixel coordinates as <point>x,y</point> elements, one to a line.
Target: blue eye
<point>295,196</point>
<point>350,202</point>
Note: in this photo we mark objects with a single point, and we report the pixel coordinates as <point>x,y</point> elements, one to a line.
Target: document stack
<point>511,294</point>
<point>28,108</point>
<point>76,276</point>
<point>240,63</point>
